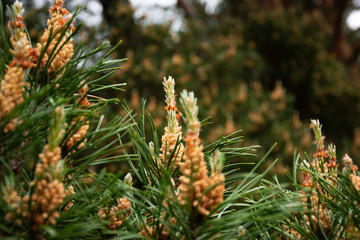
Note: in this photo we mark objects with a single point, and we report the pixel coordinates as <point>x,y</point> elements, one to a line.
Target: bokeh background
<point>263,66</point>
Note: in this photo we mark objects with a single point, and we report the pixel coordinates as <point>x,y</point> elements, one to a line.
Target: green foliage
<point>60,114</point>
<point>250,203</point>
<point>98,205</point>
<point>213,56</point>
<point>20,148</point>
<point>329,195</point>
<point>296,51</point>
<point>241,44</point>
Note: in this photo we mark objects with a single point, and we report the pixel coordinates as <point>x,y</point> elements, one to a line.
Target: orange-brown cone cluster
<point>11,94</point>
<point>48,195</point>
<point>213,197</point>
<point>320,213</point>
<point>47,189</point>
<point>116,214</point>
<point>355,181</point>
<point>15,202</point>
<point>153,231</point>
<point>48,158</point>
<point>79,135</point>
<point>13,83</point>
<point>172,130</point>
<point>168,144</point>
<point>59,18</point>
<point>82,131</point>
<point>199,190</point>
<point>25,57</point>
<point>69,191</point>
<point>195,181</point>
<point>49,192</point>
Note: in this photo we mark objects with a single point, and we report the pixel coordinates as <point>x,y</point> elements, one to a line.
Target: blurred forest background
<point>263,66</point>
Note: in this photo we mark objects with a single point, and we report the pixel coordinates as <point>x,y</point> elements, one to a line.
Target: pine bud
<point>217,162</point>
<point>128,179</point>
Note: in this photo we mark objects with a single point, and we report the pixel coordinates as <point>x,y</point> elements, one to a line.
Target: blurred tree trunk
<point>110,8</point>
<point>119,17</point>
<point>187,6</point>
<point>345,44</point>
